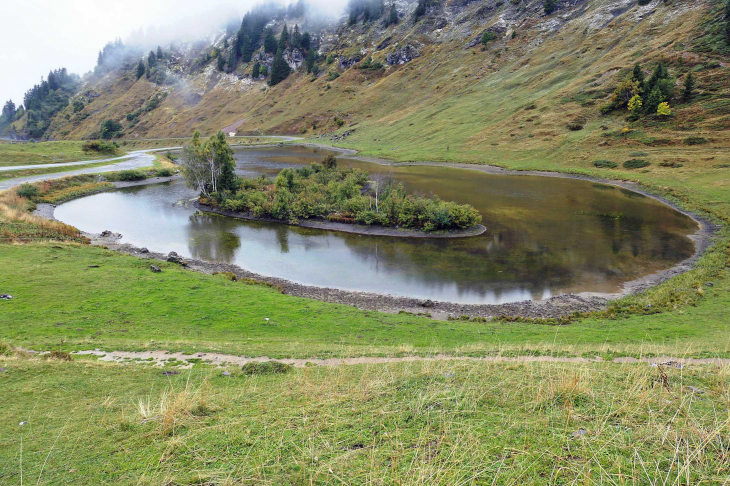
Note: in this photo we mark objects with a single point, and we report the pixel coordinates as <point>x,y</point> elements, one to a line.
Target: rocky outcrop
<point>294,58</point>
<point>347,62</point>
<point>402,55</point>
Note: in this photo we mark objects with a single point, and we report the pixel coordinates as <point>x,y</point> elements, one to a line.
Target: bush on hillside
<point>695,140</point>
<point>27,191</point>
<point>100,146</point>
<point>636,164</point>
<point>605,164</point>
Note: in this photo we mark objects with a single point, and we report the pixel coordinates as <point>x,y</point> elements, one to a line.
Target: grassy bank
<point>409,424</point>
<point>70,297</point>
<point>28,153</point>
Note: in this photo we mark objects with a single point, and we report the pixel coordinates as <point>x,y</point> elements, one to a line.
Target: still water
<point>545,235</point>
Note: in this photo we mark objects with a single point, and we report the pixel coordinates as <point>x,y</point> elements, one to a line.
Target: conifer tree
<point>151,58</point>
<point>689,87</point>
<point>140,69</point>
<point>246,49</point>
<point>638,75</point>
<point>306,41</point>
<point>296,38</point>
<point>270,43</point>
<point>255,70</point>
<point>283,38</point>
<point>280,69</point>
<point>159,53</point>
<point>550,6</point>
<point>221,62</point>
<point>653,101</point>
<point>232,58</point>
<point>392,16</point>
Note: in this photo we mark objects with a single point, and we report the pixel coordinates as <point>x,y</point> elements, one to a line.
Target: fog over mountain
<point>40,35</point>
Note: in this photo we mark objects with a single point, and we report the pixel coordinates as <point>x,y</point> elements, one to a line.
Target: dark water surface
<point>545,235</point>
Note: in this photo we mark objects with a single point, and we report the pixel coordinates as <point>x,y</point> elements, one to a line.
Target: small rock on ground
<point>579,433</point>
<point>226,373</point>
<point>170,373</point>
<point>175,258</point>
<point>155,269</point>
<point>694,389</point>
<point>6,297</point>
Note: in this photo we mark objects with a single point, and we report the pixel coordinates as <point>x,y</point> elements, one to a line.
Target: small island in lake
<point>323,195</point>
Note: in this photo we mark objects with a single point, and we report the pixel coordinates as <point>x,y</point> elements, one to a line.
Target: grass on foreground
<point>410,424</point>
<point>70,297</point>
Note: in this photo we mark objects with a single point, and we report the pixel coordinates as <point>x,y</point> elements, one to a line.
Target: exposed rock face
<point>346,62</point>
<point>294,58</point>
<point>403,55</point>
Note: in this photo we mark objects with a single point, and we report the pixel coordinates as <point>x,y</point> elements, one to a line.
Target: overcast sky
<point>39,35</point>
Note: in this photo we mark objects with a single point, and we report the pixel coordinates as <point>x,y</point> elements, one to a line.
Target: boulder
<point>155,269</point>
<point>402,55</point>
<point>175,258</point>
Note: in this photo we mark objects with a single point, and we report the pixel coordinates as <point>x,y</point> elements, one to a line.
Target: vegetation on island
<point>318,191</point>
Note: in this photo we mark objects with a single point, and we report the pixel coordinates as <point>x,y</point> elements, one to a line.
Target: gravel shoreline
<point>553,307</point>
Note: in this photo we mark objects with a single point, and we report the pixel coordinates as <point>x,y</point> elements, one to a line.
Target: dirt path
<point>160,358</point>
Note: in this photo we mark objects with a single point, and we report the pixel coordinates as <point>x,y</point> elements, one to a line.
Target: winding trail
<point>160,358</point>
<point>133,160</point>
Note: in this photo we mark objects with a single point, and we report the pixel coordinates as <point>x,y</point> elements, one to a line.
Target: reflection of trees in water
<point>282,237</point>
<point>210,239</point>
<point>493,264</point>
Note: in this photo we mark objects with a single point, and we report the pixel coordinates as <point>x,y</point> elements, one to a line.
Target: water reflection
<point>546,235</point>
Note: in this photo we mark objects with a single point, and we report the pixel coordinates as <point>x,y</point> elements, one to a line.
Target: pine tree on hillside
<point>280,69</point>
<point>232,58</point>
<point>255,70</point>
<point>140,69</point>
<point>8,113</point>
<point>638,75</point>
<point>550,6</point>
<point>392,18</point>
<point>221,62</point>
<point>159,53</point>
<point>420,10</point>
<point>246,49</point>
<point>653,101</point>
<point>270,43</point>
<point>283,38</point>
<point>296,38</point>
<point>151,58</point>
<point>306,41</point>
<point>689,87</point>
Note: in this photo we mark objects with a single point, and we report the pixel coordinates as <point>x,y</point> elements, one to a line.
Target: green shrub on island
<point>343,195</point>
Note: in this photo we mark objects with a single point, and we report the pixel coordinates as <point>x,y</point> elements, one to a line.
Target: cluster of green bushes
<point>101,147</point>
<point>369,65</point>
<point>342,195</point>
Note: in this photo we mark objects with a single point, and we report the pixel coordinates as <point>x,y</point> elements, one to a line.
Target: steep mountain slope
<point>538,74</point>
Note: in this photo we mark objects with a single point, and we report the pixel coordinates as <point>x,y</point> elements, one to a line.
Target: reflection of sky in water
<point>546,236</point>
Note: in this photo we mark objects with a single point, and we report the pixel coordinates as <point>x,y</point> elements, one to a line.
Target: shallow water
<point>545,236</point>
